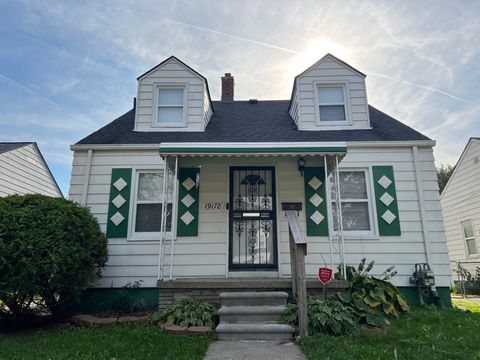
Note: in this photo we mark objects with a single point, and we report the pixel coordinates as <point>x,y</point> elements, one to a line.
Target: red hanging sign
<point>325,275</point>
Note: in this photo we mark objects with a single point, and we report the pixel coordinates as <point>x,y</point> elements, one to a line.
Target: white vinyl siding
<point>23,171</point>
<point>207,254</point>
<point>461,201</point>
<point>304,108</point>
<point>197,109</point>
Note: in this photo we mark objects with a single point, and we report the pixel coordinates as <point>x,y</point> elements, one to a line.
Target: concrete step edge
<point>254,295</point>
<point>251,310</point>
<point>254,328</point>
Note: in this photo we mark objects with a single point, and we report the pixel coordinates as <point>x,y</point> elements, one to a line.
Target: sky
<point>69,67</point>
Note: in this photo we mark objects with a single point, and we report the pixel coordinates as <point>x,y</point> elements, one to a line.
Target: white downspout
<point>340,218</point>
<point>423,218</point>
<point>174,216</point>
<point>329,211</point>
<point>86,179</point>
<point>162,221</point>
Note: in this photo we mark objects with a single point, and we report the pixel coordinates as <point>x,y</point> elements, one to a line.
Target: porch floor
<point>209,289</point>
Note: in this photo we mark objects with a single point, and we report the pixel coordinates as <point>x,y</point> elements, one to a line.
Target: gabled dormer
<point>172,97</point>
<point>330,94</point>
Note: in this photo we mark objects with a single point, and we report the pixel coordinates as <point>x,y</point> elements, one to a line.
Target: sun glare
<point>313,52</point>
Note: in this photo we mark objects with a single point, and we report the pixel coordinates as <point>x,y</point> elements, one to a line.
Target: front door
<point>253,233</point>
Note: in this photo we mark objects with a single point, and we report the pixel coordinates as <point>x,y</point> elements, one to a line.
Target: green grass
<point>426,334</point>
<point>472,306</point>
<point>125,342</point>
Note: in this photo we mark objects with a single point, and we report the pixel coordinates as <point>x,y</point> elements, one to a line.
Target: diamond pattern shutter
<point>315,201</point>
<point>188,203</point>
<point>119,203</point>
<point>386,201</point>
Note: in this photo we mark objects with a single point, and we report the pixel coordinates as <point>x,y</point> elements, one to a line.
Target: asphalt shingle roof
<point>9,146</point>
<point>240,121</point>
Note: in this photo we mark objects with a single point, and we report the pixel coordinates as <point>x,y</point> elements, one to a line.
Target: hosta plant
<point>189,312</point>
<point>330,316</point>
<point>373,299</point>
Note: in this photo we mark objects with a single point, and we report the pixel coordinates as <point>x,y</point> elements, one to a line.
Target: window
<point>354,200</point>
<point>170,106</point>
<point>148,207</point>
<point>331,101</point>
<point>469,236</point>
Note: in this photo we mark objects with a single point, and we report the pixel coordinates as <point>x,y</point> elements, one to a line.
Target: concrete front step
<point>251,298</point>
<point>250,314</point>
<point>254,332</point>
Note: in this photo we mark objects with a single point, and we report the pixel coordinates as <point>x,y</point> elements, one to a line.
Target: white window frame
<point>465,239</point>
<point>346,102</point>
<point>370,200</point>
<point>145,236</point>
<point>179,86</point>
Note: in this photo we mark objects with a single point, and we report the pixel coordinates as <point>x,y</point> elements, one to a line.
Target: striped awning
<point>253,149</point>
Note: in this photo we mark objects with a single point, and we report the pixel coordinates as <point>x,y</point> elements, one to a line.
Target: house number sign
<point>212,206</point>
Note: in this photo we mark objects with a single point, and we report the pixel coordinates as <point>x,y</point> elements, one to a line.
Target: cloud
<point>71,66</point>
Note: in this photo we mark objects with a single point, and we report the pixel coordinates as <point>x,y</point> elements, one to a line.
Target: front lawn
<point>473,306</point>
<point>427,334</point>
<point>119,342</point>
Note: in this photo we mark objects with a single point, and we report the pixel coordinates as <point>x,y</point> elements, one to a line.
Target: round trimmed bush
<point>51,250</point>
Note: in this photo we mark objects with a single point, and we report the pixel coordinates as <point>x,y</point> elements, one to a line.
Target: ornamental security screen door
<point>253,233</point>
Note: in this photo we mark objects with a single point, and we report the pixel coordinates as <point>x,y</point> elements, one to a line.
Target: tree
<point>51,250</point>
<point>443,174</point>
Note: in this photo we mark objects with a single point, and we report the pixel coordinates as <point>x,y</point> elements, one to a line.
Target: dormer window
<point>170,106</point>
<point>331,103</point>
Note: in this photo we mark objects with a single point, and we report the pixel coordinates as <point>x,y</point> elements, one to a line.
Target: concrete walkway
<point>253,350</point>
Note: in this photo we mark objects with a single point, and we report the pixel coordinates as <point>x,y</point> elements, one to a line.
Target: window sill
<point>321,123</point>
<point>169,125</point>
<point>152,237</point>
<point>353,237</point>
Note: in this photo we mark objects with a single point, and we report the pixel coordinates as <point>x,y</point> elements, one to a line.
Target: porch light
<point>197,175</point>
<point>301,165</point>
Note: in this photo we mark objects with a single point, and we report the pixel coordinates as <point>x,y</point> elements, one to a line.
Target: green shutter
<point>386,201</point>
<point>119,203</point>
<point>315,201</point>
<point>188,203</point>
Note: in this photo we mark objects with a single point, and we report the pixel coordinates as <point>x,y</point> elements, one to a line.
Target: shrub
<point>330,316</point>
<point>374,300</point>
<point>123,299</point>
<point>189,312</point>
<point>51,250</point>
<point>471,283</point>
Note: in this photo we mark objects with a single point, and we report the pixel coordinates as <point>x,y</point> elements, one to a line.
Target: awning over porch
<point>253,149</point>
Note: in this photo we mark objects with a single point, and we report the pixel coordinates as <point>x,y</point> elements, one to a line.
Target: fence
<point>465,274</point>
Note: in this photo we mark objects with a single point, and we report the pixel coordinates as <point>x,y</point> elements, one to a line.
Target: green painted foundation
<point>96,300</point>
<point>411,295</point>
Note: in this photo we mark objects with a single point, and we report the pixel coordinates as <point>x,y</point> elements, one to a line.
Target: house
<point>191,192</point>
<point>23,170</point>
<point>460,201</point>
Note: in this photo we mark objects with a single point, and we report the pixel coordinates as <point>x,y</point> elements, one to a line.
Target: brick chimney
<point>228,84</point>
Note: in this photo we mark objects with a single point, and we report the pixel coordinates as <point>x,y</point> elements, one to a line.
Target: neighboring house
<point>230,166</point>
<point>461,209</point>
<point>23,170</point>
